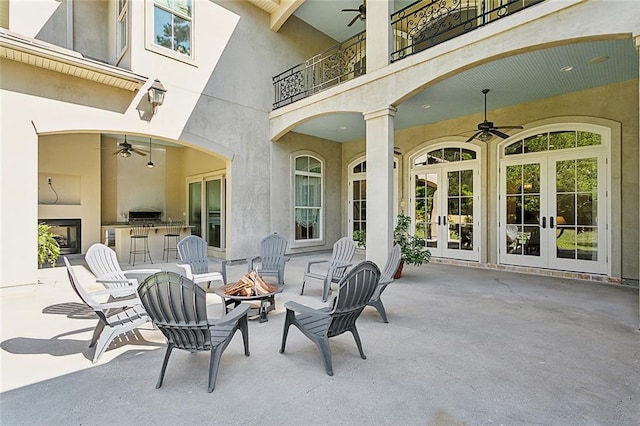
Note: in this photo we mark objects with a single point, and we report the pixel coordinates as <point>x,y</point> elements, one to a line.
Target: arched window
<point>308,194</point>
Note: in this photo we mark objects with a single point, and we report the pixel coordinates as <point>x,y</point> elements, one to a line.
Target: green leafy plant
<point>48,247</point>
<point>411,246</point>
<point>360,237</point>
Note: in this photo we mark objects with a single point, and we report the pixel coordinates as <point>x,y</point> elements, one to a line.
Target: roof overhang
<point>44,55</point>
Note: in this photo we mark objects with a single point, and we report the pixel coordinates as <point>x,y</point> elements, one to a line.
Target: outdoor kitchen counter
<point>118,237</point>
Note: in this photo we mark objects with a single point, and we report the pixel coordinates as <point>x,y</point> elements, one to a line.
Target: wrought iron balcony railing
<point>339,63</point>
<point>424,24</point>
<point>417,27</point>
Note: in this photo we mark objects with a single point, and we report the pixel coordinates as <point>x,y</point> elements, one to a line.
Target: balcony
<point>339,63</point>
<point>417,27</point>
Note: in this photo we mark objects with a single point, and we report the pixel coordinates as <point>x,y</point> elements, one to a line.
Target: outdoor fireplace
<point>67,233</point>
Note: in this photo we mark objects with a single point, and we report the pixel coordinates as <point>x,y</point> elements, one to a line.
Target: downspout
<point>70,24</point>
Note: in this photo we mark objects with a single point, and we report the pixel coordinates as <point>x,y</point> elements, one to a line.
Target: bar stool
<point>139,235</point>
<point>171,239</point>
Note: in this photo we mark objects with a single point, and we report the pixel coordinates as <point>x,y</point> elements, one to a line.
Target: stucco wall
<point>281,176</point>
<point>231,117</point>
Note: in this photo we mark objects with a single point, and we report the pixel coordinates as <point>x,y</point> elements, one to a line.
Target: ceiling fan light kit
<point>486,129</point>
<point>125,149</point>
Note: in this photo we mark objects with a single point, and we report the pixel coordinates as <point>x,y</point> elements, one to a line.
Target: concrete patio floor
<point>463,346</point>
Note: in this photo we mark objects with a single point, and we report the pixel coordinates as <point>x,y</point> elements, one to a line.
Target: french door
<point>206,202</point>
<point>446,208</point>
<point>357,219</point>
<point>554,210</point>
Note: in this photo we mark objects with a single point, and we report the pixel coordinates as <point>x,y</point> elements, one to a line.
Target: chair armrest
<point>115,291</point>
<point>304,309</point>
<point>233,316</point>
<point>314,262</point>
<point>128,281</point>
<point>121,304</point>
<point>142,271</point>
<point>250,261</point>
<point>187,270</point>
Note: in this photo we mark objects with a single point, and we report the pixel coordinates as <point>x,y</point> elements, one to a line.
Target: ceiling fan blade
<point>351,10</point>
<point>117,152</point>
<point>508,127</point>
<point>353,20</point>
<point>137,151</point>
<point>499,133</point>
<point>474,136</point>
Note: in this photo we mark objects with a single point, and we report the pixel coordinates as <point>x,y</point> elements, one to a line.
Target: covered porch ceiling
<point>513,80</point>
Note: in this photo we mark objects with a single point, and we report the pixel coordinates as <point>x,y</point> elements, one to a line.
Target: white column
<point>379,184</point>
<point>378,33</point>
<point>636,37</point>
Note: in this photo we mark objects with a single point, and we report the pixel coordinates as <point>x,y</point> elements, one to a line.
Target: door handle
<point>544,222</point>
<point>438,220</point>
<point>444,220</point>
<point>551,222</point>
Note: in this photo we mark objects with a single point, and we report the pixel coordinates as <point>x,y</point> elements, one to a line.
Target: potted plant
<point>48,247</point>
<point>360,237</point>
<point>412,247</point>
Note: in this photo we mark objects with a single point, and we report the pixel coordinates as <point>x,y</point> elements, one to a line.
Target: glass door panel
<point>214,202</point>
<point>579,239</point>
<point>521,232</point>
<point>427,211</point>
<point>359,205</point>
<point>195,208</point>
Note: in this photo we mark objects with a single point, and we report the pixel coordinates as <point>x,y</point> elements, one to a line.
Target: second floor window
<point>172,25</point>
<point>122,36</point>
<point>308,198</point>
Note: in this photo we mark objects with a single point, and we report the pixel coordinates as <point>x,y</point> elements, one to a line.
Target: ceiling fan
<point>487,129</point>
<point>362,13</point>
<point>125,149</point>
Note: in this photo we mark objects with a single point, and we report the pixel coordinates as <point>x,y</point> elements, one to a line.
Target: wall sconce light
<point>150,163</point>
<point>156,94</point>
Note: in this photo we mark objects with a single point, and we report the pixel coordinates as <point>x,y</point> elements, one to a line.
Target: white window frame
<point>122,26</point>
<point>321,175</point>
<point>150,43</point>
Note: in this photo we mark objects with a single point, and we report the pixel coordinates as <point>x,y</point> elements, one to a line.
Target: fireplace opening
<point>67,233</point>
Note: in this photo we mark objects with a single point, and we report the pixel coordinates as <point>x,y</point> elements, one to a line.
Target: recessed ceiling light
<point>566,69</point>
<point>599,59</point>
<point>425,106</point>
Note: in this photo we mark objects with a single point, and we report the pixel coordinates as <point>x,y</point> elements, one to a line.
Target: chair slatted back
<point>343,251</point>
<point>81,292</point>
<point>391,266</point>
<point>103,262</point>
<point>272,252</point>
<point>174,228</point>
<point>193,251</point>
<point>140,230</point>
<point>355,290</point>
<point>178,308</point>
